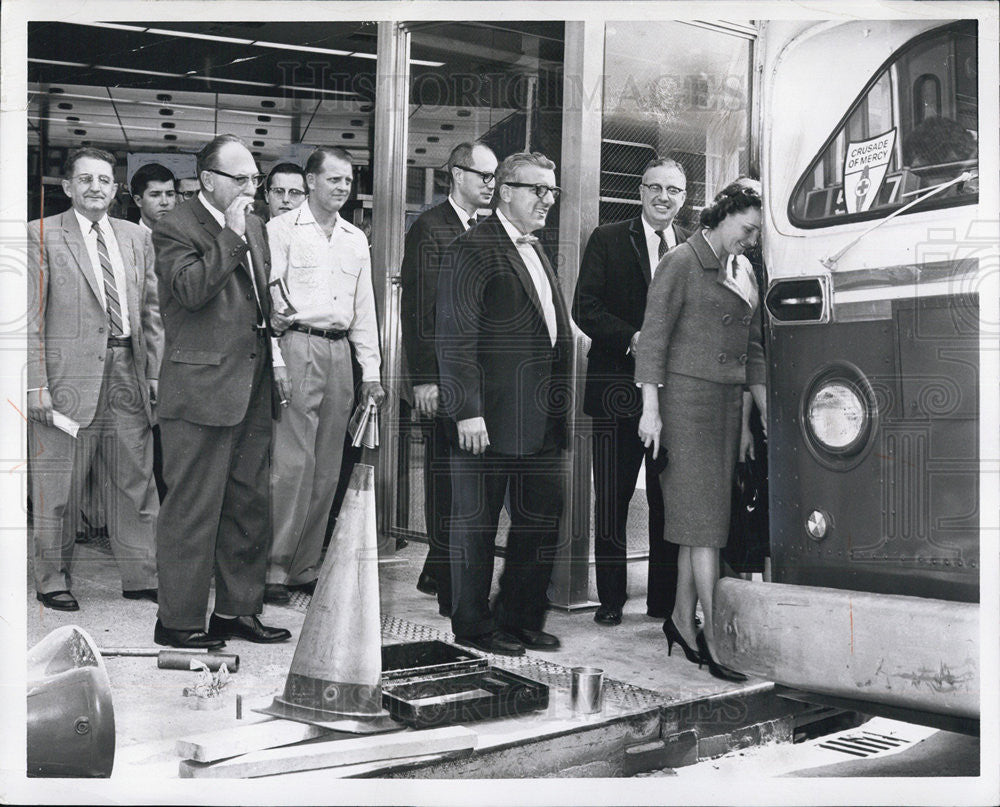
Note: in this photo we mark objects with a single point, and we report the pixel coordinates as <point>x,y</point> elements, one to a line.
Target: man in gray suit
<point>94,347</point>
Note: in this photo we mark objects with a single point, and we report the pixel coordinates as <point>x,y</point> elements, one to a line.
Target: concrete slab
<point>649,695</point>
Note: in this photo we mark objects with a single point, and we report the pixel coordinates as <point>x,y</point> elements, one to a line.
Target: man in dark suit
<point>216,406</point>
<point>471,168</point>
<point>94,346</point>
<point>503,345</point>
<point>609,304</point>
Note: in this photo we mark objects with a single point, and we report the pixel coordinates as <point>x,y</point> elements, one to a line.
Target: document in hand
<point>363,427</point>
<point>280,299</point>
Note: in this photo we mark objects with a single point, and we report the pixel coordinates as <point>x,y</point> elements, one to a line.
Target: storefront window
<point>914,128</point>
<point>677,90</point>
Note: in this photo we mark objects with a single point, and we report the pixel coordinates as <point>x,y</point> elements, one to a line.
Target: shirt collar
<point>305,216</point>
<point>146,227</point>
<point>512,231</point>
<point>462,215</point>
<point>218,215</point>
<point>86,224</point>
<point>647,228</point>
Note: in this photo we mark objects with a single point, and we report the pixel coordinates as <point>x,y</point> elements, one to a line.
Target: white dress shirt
<point>117,265</point>
<point>542,286</point>
<point>329,279</point>
<point>653,243</point>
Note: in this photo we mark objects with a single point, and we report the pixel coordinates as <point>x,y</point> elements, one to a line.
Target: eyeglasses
<point>241,180</point>
<point>292,193</point>
<point>539,189</point>
<point>185,195</point>
<point>656,189</point>
<point>88,179</point>
<point>485,176</point>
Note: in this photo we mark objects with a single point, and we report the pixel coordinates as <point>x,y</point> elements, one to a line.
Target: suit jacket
<point>495,357</point>
<point>68,323</point>
<point>608,305</point>
<point>210,314</point>
<point>696,325</point>
<point>425,243</point>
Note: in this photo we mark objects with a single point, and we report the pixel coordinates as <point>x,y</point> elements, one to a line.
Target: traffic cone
<point>335,677</point>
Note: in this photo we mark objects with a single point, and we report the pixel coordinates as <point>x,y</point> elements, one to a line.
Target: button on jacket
<point>701,323</point>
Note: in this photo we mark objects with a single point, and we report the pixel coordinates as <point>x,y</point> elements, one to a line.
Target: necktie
<point>114,306</point>
<point>473,222</point>
<point>662,249</point>
<point>527,239</point>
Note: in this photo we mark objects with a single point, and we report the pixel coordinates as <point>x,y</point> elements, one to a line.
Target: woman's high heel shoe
<point>674,635</point>
<point>715,668</point>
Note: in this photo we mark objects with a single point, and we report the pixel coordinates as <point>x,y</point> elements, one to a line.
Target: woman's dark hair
<point>738,195</point>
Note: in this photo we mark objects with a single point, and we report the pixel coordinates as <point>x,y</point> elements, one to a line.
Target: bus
<point>875,248</point>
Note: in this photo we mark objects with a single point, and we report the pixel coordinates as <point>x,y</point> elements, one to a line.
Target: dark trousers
<point>478,487</point>
<point>216,518</point>
<point>617,453</point>
<point>437,505</point>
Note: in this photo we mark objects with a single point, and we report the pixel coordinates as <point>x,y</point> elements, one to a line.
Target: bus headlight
<point>837,415</point>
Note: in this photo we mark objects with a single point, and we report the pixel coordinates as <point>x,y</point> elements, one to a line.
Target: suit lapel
<point>637,238</point>
<point>508,248</point>
<point>213,228</point>
<point>73,238</point>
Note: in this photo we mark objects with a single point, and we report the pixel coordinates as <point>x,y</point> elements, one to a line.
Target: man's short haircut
<point>462,155</point>
<point>86,151</point>
<point>150,172</point>
<point>179,180</point>
<point>207,156</point>
<point>285,168</point>
<point>668,162</point>
<point>315,162</point>
<point>511,166</point>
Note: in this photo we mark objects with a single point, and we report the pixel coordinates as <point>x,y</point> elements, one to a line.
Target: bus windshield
<point>915,126</point>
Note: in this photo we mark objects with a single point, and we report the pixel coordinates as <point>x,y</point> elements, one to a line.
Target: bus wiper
<point>831,261</point>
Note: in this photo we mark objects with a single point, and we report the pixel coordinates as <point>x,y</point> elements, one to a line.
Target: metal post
<point>388,216</point>
<point>580,177</point>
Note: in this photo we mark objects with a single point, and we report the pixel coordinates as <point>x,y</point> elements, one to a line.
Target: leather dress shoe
<point>497,642</point>
<point>192,639</point>
<point>535,639</point>
<point>141,594</point>
<point>306,588</point>
<point>59,600</point>
<point>426,584</point>
<point>246,627</point>
<point>277,594</point>
<point>606,615</point>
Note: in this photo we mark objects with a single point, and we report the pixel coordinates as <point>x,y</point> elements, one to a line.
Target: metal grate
<point>863,743</point>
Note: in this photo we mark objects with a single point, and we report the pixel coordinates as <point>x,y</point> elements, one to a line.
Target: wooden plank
<point>224,743</point>
<point>331,754</point>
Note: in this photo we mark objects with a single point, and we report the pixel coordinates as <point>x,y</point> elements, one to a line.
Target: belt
<point>326,334</point>
<point>119,341</point>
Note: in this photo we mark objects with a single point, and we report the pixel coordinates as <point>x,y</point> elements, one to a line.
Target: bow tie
<point>528,239</point>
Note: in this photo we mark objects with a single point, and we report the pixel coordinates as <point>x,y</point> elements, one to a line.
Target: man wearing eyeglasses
<point>285,188</point>
<point>95,341</point>
<point>187,188</point>
<point>218,394</point>
<point>618,264</point>
<point>504,346</point>
<point>471,170</point>
<point>326,266</point>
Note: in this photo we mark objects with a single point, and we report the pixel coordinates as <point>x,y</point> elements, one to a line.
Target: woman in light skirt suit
<point>700,346</point>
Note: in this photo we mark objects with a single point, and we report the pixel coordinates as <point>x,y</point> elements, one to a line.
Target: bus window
<point>916,126</point>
